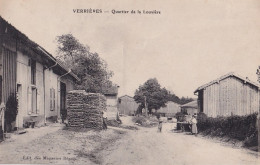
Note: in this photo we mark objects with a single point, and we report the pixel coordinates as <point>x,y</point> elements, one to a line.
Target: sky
<point>189,44</point>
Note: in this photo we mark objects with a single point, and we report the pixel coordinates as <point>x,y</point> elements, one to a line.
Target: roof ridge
<point>225,76</point>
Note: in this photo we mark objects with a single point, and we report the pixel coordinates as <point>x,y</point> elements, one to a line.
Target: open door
<point>19,99</point>
<point>63,110</point>
<point>200,101</point>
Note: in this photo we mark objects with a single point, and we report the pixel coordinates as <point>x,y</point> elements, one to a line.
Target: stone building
<point>34,76</point>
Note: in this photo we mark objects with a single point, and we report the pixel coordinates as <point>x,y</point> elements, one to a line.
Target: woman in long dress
<point>194,129</point>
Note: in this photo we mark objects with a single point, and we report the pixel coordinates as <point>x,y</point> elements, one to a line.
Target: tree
<point>89,67</point>
<point>156,97</point>
<point>184,100</point>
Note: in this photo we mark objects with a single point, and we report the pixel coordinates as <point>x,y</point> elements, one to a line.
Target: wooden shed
<point>228,95</point>
<point>190,108</point>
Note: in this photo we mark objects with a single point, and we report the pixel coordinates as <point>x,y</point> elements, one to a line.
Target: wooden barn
<point>190,108</point>
<point>127,105</point>
<point>228,95</point>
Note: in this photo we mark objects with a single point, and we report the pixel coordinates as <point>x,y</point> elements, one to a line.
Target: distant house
<point>111,97</point>
<point>228,95</point>
<point>170,110</point>
<point>34,76</point>
<point>127,105</point>
<point>190,108</point>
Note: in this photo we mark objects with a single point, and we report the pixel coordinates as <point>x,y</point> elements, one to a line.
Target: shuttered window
<point>33,100</point>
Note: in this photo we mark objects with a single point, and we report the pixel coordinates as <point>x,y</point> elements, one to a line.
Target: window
<point>34,100</point>
<point>52,99</point>
<point>33,71</point>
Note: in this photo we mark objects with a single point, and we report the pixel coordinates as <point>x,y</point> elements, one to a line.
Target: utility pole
<point>145,105</point>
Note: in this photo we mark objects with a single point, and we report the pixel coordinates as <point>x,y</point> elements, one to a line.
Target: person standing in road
<point>104,120</point>
<point>194,129</point>
<point>160,124</point>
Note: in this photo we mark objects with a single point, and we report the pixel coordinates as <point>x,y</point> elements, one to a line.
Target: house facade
<point>34,76</point>
<point>228,95</point>
<point>127,105</point>
<point>111,95</point>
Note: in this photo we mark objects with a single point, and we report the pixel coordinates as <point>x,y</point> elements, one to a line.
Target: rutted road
<point>147,146</point>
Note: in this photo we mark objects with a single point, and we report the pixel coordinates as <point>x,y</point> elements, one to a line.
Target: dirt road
<point>115,146</point>
<point>147,146</point>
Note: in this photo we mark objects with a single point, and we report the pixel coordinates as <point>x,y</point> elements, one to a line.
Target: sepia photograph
<point>130,82</point>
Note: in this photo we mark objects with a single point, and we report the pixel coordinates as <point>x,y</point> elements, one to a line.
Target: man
<point>104,120</point>
<point>159,123</point>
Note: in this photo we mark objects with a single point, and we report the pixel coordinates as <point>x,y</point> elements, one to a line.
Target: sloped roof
<point>29,46</point>
<point>192,104</point>
<point>226,76</point>
<point>126,96</point>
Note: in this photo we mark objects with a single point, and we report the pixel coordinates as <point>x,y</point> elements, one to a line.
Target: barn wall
<point>231,96</point>
<point>127,106</point>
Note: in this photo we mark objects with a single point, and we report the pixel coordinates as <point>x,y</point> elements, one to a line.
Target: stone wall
<point>85,109</point>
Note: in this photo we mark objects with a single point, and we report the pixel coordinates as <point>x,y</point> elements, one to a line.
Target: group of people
<point>192,122</point>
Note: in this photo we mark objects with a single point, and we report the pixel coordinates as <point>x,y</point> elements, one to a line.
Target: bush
<point>11,111</point>
<point>145,121</point>
<point>242,128</point>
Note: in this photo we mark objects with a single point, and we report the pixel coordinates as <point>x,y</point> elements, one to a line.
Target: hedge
<point>242,128</point>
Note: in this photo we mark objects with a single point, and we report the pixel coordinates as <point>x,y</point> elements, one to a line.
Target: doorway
<point>63,110</point>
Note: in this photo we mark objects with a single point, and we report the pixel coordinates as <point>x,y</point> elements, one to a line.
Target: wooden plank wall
<point>231,96</point>
<point>9,74</point>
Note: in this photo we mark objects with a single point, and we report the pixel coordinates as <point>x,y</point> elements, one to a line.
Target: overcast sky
<point>189,44</point>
